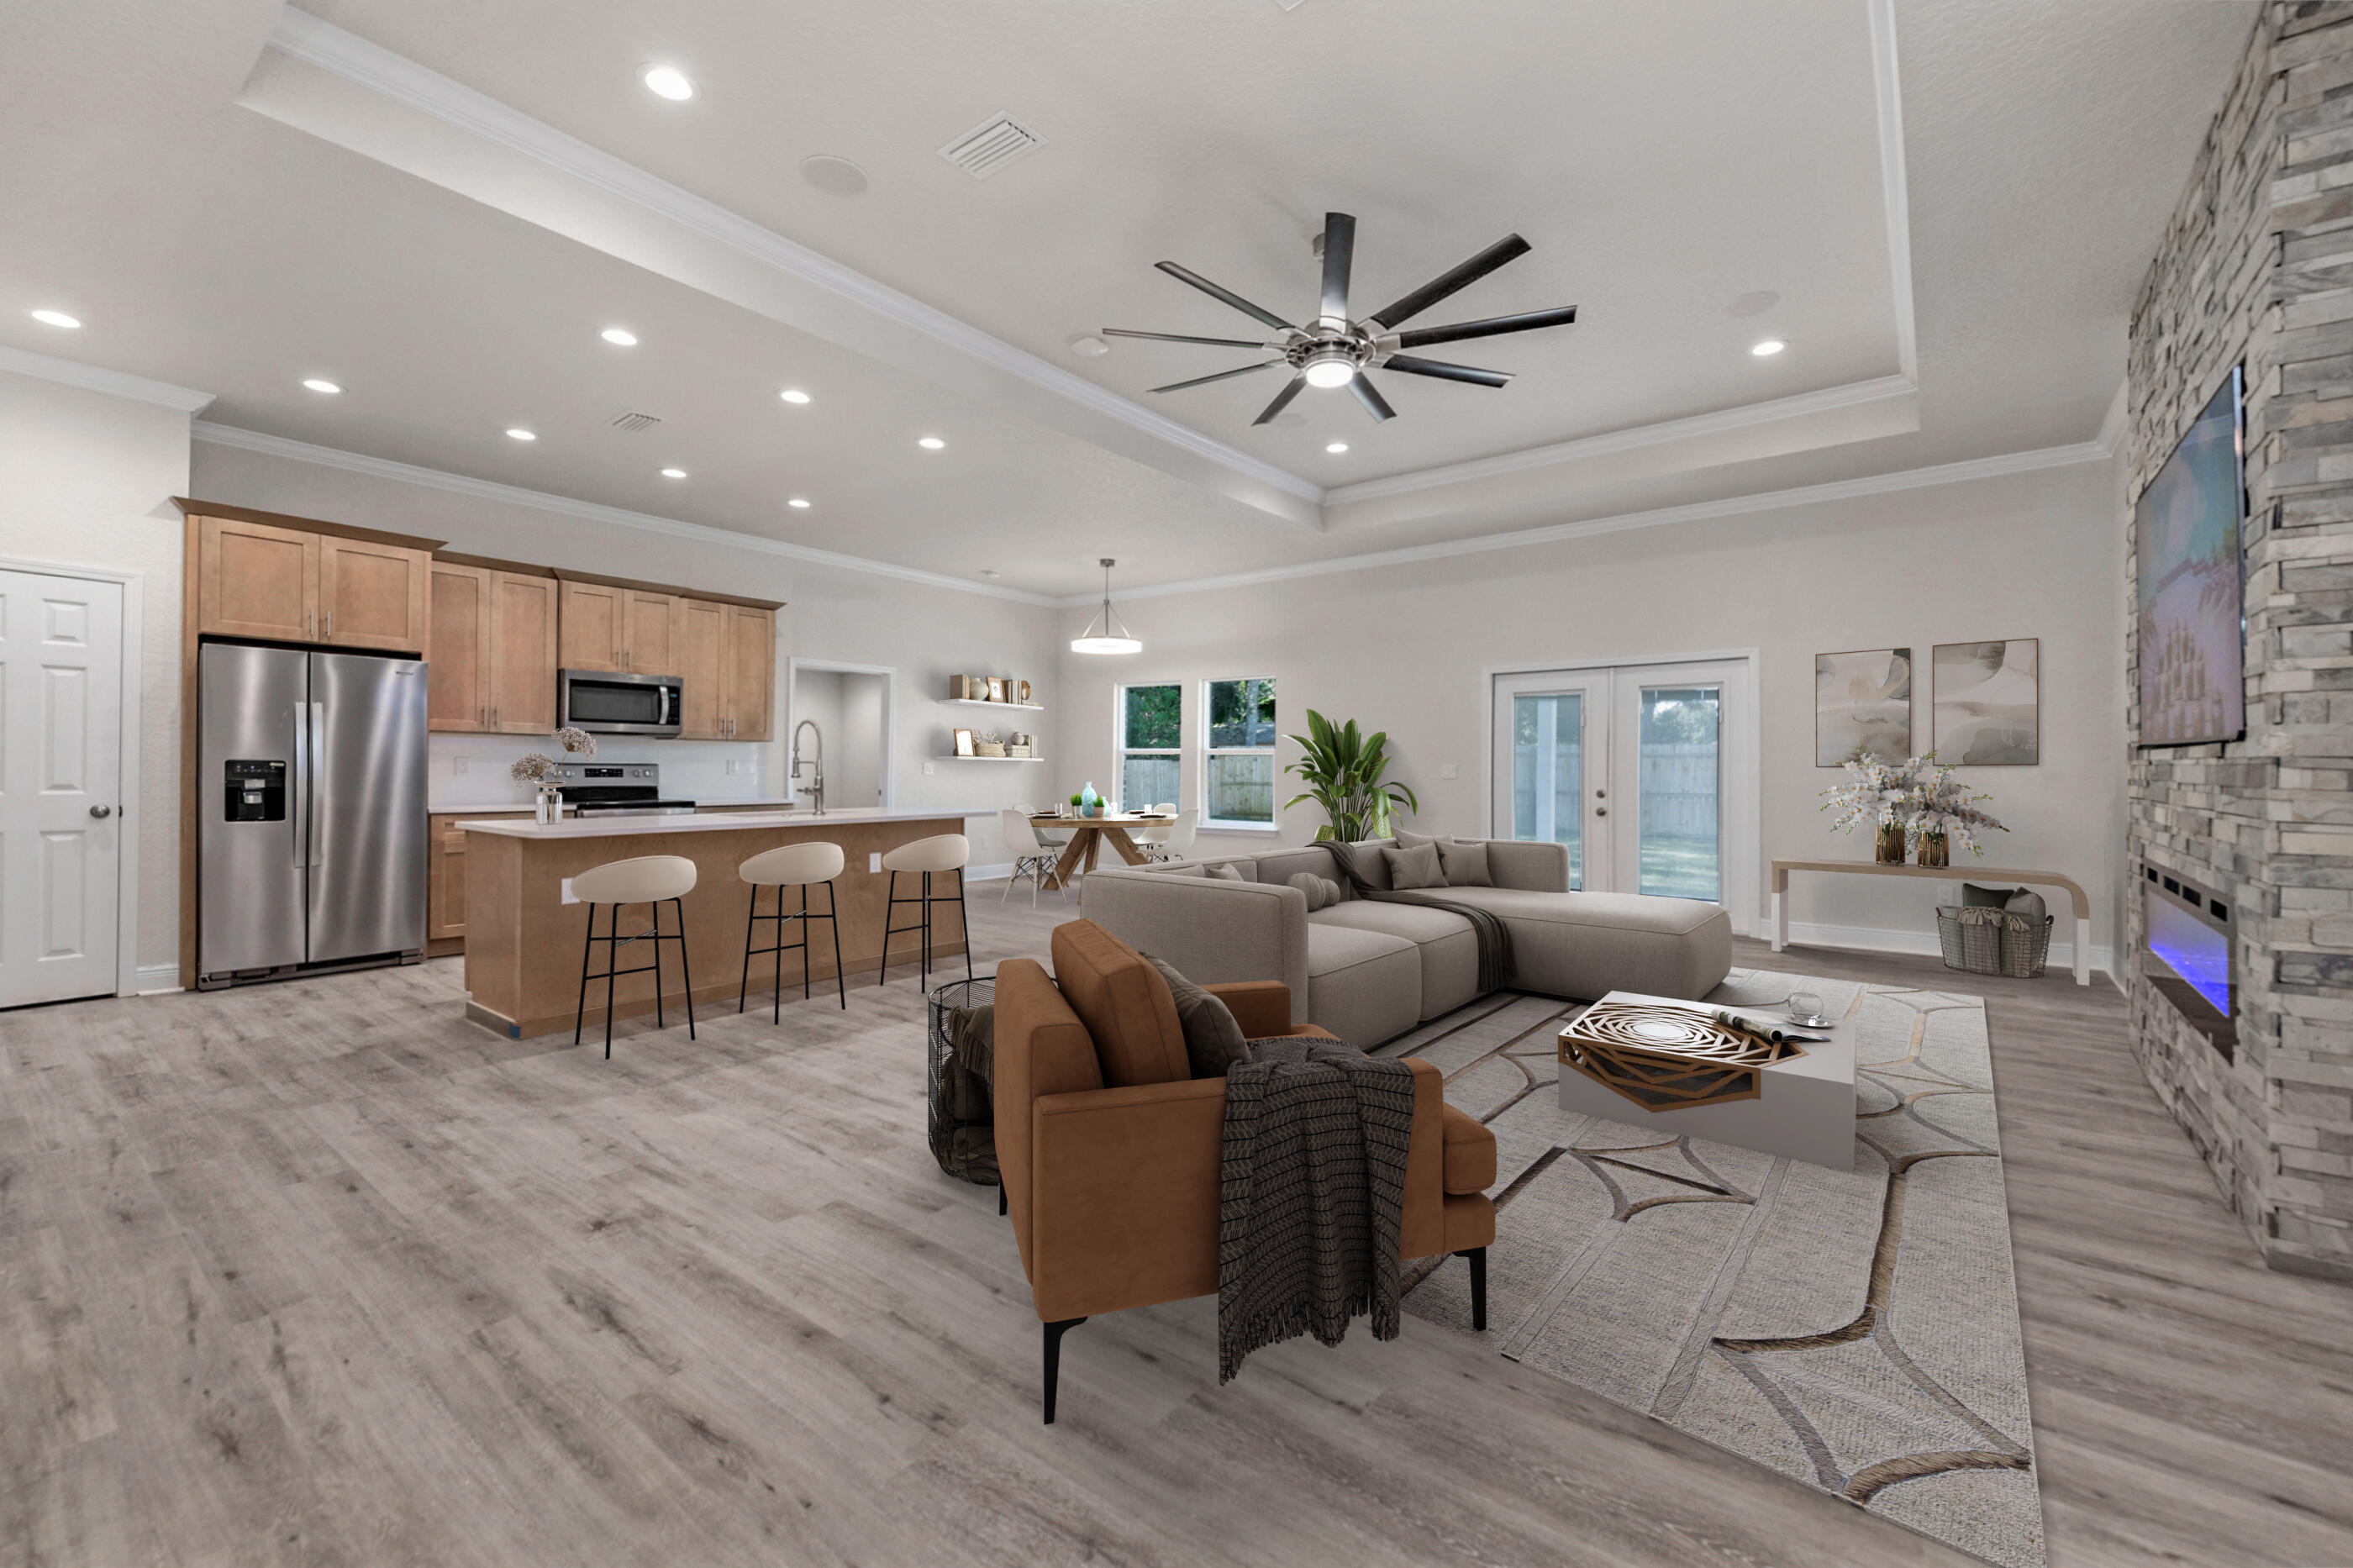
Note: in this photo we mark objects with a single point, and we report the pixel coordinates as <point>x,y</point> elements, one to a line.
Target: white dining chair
<point>1045,836</point>
<point>1176,841</point>
<point>1031,856</point>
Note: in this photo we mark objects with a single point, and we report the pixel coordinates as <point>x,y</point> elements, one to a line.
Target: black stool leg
<point>1054,1332</point>
<point>751,913</point>
<point>612,958</point>
<point>580,1013</point>
<point>890,903</point>
<point>685,975</point>
<point>653,912</point>
<point>805,940</point>
<point>964,921</point>
<point>924,959</point>
<point>776,979</point>
<point>1000,1200</point>
<point>1478,1257</point>
<point>833,924</point>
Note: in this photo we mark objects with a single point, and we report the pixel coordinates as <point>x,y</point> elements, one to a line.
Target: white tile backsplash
<point>690,769</point>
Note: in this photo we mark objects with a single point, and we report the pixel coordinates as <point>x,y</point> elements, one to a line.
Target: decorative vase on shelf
<point>1890,844</point>
<point>1935,850</point>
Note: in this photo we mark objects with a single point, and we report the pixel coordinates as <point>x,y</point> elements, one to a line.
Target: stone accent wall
<point>2257,267</point>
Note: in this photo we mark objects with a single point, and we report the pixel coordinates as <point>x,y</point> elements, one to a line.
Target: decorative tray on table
<point>1669,1059</point>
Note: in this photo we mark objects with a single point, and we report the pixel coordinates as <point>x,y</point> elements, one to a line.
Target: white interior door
<point>1648,773</point>
<point>61,840</point>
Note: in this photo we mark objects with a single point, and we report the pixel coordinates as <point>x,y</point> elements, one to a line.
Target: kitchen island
<point>525,933</point>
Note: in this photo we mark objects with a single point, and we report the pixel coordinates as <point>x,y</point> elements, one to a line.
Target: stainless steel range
<point>616,789</point>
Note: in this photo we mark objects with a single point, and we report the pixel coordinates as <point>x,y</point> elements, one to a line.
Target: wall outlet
<point>1446,769</point>
<point>731,767</point>
<point>458,767</point>
<point>931,767</point>
<point>873,864</point>
<point>567,892</point>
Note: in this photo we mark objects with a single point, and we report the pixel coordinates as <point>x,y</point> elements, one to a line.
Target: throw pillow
<point>1415,840</point>
<point>2029,904</point>
<point>1310,887</point>
<point>1414,867</point>
<point>1226,873</point>
<point>1213,1040</point>
<point>1465,864</point>
<point>1976,898</point>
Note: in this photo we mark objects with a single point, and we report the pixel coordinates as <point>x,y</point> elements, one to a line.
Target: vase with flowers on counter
<point>540,769</point>
<point>1916,803</point>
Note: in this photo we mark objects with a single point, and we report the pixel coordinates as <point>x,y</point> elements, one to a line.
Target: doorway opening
<point>1645,772</point>
<point>847,743</point>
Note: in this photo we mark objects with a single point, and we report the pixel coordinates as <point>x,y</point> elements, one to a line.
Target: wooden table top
<point>1115,819</point>
<point>1781,869</point>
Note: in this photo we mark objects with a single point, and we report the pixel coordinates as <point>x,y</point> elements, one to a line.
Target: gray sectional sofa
<point>1370,969</point>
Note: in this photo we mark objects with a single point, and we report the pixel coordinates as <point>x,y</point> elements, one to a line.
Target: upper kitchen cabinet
<point>697,640</point>
<point>592,623</point>
<point>646,651</point>
<point>291,579</point>
<point>494,647</point>
<point>748,688</point>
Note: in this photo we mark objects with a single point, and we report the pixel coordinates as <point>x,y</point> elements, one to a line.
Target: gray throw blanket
<point>1313,1194</point>
<point>1487,928</point>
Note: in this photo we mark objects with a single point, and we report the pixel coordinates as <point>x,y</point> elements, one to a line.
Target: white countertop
<point>485,807</point>
<point>715,822</point>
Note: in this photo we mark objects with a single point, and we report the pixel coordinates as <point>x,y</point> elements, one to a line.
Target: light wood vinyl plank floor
<point>321,1274</point>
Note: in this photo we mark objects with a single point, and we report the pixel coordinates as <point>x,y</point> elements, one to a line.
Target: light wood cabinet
<point>373,595</point>
<point>445,880</point>
<point>646,645</point>
<point>699,647</point>
<point>459,666</point>
<point>258,580</point>
<point>591,625</point>
<point>494,649</point>
<point>748,684</point>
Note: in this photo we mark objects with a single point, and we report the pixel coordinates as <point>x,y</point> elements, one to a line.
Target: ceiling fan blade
<point>1221,375</point>
<point>1511,248</point>
<point>1186,275</point>
<point>1370,396</point>
<point>1282,399</point>
<point>1339,259</point>
<point>1184,338</point>
<point>1444,372</point>
<point>1493,326</point>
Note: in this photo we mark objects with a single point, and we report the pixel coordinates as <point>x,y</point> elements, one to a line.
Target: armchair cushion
<point>1262,1007</point>
<point>1213,1040</point>
<point>1124,1004</point>
<point>1470,1166</point>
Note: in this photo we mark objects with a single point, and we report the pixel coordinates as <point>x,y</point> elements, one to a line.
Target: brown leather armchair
<point>1110,1150</point>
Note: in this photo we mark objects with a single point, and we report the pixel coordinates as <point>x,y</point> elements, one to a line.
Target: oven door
<point>608,702</point>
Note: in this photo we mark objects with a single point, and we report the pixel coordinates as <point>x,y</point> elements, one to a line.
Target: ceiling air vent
<point>992,144</point>
<point>632,421</point>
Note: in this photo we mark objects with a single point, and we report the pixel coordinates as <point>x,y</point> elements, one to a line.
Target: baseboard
<point>988,873</point>
<point>155,978</point>
<point>1877,938</point>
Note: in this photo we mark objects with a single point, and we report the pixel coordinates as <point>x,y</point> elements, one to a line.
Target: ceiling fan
<point>1335,351</point>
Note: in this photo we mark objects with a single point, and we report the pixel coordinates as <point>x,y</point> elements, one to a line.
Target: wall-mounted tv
<point>2193,645</point>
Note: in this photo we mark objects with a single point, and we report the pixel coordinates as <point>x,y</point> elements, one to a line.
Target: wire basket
<point>2016,944</point>
<point>962,1117</point>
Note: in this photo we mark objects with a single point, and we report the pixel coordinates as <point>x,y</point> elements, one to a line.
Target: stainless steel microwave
<point>611,702</point>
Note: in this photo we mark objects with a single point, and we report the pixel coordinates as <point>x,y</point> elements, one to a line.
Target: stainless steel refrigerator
<point>310,800</point>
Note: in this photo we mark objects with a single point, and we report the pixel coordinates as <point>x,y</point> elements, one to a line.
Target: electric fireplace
<point>2188,954</point>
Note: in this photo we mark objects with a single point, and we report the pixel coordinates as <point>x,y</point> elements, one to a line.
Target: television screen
<point>2192,627</point>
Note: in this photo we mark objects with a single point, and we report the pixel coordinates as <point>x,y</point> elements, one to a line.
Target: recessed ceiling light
<point>673,473</point>
<point>1768,348</point>
<point>930,443</point>
<point>835,176</point>
<point>1337,447</point>
<point>793,394</point>
<point>317,383</point>
<point>669,81</point>
<point>1086,345</point>
<point>619,337</point>
<point>55,319</point>
<point>799,502</point>
<point>519,433</point>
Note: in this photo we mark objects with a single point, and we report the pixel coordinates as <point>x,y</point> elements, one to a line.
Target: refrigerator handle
<point>301,784</point>
<point>318,765</point>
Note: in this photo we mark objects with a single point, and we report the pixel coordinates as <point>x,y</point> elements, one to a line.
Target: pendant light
<point>1111,640</point>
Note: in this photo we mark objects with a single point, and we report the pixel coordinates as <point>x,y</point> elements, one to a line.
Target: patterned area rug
<point>1856,1331</point>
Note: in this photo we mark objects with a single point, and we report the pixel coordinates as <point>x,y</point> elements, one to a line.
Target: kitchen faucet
<point>815,764</point>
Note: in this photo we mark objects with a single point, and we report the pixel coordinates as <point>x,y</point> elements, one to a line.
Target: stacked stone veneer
<point>2257,266</point>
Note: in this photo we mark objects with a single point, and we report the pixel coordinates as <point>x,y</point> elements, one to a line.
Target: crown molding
<point>2113,428</point>
<point>541,500</point>
<point>1896,200</point>
<point>115,382</point>
<point>1697,511</point>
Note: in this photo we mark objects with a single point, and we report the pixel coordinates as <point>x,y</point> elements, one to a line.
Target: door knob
<point>1600,811</point>
<point>101,811</point>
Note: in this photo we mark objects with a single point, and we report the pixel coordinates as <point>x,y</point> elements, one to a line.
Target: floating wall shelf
<point>1015,707</point>
<point>952,757</point>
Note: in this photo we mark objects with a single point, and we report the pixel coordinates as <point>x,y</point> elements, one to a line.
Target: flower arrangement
<point>1919,797</point>
<point>579,740</point>
<point>537,767</point>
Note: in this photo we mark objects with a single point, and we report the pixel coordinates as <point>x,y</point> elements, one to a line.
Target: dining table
<point>1088,835</point>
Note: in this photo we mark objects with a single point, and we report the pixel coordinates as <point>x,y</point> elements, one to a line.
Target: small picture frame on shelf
<point>963,744</point>
<point>1023,694</point>
<point>997,688</point>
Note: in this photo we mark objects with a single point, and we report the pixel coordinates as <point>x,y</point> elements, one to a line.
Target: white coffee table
<point>1804,1108</point>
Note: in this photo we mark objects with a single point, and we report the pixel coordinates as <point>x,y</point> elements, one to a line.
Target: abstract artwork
<point>1862,707</point>
<point>1987,706</point>
<point>2186,544</point>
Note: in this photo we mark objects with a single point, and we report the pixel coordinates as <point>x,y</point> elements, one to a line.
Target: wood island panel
<point>523,942</point>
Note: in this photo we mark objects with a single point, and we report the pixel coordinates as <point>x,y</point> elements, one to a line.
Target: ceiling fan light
<point>1329,368</point>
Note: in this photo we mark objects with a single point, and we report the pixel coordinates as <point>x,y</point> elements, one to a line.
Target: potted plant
<point>1342,769</point>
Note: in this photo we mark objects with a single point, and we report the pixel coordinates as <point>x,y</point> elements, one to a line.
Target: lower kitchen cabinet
<point>445,880</point>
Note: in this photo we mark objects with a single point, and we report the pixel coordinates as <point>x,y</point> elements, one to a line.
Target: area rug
<point>1857,1331</point>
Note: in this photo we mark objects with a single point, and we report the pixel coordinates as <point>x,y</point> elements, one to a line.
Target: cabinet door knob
<point>101,812</point>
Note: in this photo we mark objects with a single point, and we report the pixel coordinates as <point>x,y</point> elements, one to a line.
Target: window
<point>1239,779</point>
<point>1150,733</point>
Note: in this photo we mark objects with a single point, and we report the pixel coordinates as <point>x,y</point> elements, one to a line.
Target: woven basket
<point>2013,944</point>
<point>989,748</point>
<point>962,1120</point>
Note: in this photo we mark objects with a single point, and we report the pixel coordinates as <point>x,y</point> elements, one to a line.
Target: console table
<point>1985,874</point>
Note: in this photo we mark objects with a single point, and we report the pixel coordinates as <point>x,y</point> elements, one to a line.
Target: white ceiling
<point>1662,161</point>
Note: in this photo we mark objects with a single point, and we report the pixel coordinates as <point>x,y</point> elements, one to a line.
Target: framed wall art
<point>1862,707</point>
<point>1986,703</point>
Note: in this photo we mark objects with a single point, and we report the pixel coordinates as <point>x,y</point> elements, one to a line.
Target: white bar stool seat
<point>650,880</point>
<point>925,857</point>
<point>801,866</point>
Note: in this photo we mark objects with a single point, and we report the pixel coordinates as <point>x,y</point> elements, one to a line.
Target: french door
<point>1645,772</point>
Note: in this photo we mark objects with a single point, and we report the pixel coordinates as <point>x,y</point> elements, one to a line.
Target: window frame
<point>1210,750</point>
<point>1122,750</point>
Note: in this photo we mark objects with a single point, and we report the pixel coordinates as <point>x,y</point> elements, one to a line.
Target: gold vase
<point>1890,844</point>
<point>1934,850</point>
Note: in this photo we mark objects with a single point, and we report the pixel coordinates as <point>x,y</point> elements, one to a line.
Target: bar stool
<point>650,880</point>
<point>791,866</point>
<point>929,858</point>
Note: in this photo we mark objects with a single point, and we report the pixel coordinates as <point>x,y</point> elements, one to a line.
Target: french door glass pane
<point>1680,786</point>
<point>1241,786</point>
<point>1548,774</point>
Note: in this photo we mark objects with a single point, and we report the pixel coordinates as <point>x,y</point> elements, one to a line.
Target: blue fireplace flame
<point>2192,949</point>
